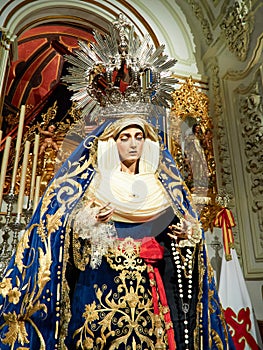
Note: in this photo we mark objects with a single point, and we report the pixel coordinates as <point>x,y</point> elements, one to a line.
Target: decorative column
<point>7,53</point>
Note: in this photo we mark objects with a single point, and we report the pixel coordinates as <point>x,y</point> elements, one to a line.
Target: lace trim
<point>100,236</point>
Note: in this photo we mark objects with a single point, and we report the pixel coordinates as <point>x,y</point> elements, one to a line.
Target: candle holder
<point>28,212</point>
<point>216,261</point>
<point>16,227</point>
<point>6,252</point>
<point>10,199</point>
<point>7,247</point>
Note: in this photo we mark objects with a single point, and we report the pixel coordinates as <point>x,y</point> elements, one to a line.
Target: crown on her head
<point>118,72</point>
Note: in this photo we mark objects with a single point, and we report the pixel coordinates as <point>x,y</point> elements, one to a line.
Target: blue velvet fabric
<point>31,290</point>
<point>84,294</point>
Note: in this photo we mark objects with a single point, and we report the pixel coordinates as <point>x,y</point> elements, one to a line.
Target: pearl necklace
<point>184,265</point>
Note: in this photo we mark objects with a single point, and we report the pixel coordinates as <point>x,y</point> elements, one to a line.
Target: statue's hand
<point>104,213</point>
<point>180,230</point>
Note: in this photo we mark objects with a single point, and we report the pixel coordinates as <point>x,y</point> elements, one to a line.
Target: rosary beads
<point>184,266</point>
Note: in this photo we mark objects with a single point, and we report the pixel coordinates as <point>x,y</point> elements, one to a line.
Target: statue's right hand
<point>104,213</point>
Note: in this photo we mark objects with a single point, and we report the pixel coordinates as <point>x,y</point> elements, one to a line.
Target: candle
<point>18,145</point>
<point>34,168</point>
<point>37,190</point>
<point>1,134</point>
<point>23,178</point>
<point>20,128</point>
<point>4,167</point>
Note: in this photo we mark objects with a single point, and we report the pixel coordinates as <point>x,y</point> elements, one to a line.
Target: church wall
<point>234,66</point>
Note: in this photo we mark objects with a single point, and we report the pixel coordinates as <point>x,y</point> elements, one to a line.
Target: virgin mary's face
<point>130,144</point>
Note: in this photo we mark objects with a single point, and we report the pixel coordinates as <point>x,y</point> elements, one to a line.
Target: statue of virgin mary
<point>114,256</point>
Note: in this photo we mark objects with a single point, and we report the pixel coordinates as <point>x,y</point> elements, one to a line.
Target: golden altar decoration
<point>191,110</point>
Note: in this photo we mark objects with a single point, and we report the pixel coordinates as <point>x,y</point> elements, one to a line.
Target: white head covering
<point>135,198</point>
<point>108,156</point>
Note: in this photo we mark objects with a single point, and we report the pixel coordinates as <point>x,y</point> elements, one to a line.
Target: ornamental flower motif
<point>90,313</point>
<point>88,344</point>
<point>16,331</point>
<point>5,286</point>
<point>14,295</point>
<point>132,299</point>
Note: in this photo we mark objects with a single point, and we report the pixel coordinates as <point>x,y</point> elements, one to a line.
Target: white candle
<point>4,167</point>
<point>23,178</point>
<point>34,168</point>
<point>1,134</point>
<point>37,190</point>
<point>20,127</point>
<point>18,144</point>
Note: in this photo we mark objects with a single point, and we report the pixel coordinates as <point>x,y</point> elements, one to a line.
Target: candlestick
<point>4,167</point>
<point>6,247</point>
<point>34,168</point>
<point>23,178</point>
<point>37,190</point>
<point>18,145</point>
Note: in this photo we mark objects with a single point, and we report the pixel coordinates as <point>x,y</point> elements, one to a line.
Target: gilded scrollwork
<point>127,256</point>
<point>32,293</point>
<point>53,133</point>
<point>191,144</point>
<point>123,310</point>
<point>27,294</point>
<point>27,291</point>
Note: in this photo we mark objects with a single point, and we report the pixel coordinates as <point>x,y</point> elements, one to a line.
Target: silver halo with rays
<point>98,81</point>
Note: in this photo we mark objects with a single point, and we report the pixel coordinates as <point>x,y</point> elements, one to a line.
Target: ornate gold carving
<point>208,214</point>
<point>11,121</point>
<point>191,131</point>
<point>237,27</point>
<point>189,101</point>
<point>50,157</point>
<point>50,114</point>
<point>74,124</point>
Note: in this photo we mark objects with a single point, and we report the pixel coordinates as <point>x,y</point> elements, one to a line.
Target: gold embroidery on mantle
<point>30,301</point>
<point>30,292</point>
<point>126,255</point>
<point>81,253</point>
<point>122,312</point>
